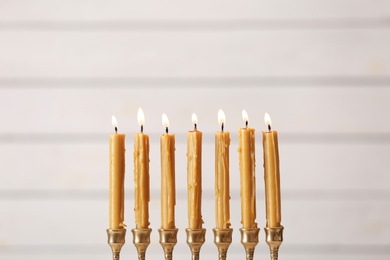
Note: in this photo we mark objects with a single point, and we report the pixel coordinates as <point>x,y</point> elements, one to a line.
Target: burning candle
<point>271,175</point>
<point>141,175</point>
<point>247,174</point>
<point>168,193</point>
<point>117,178</point>
<point>222,190</point>
<point>194,176</point>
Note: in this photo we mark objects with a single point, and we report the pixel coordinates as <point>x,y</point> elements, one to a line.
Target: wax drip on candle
<point>141,119</point>
<point>267,120</point>
<point>195,121</point>
<point>221,119</point>
<point>245,117</point>
<point>114,123</point>
<point>165,122</point>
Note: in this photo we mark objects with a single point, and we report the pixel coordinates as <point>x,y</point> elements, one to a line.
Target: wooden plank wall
<point>320,68</point>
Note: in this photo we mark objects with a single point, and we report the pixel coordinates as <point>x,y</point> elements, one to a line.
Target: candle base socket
<point>195,240</point>
<point>223,239</point>
<point>141,240</point>
<point>274,238</point>
<point>116,239</point>
<point>249,239</point>
<point>168,240</point>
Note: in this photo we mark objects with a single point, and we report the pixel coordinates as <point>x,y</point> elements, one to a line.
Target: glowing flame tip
<point>194,118</point>
<point>267,119</point>
<point>221,117</point>
<point>245,116</point>
<point>165,120</point>
<point>140,117</point>
<point>114,121</point>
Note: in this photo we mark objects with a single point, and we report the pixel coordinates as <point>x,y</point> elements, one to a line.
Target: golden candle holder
<point>116,239</point>
<point>274,238</point>
<point>141,240</point>
<point>195,240</point>
<point>223,239</point>
<point>168,240</point>
<point>249,239</point>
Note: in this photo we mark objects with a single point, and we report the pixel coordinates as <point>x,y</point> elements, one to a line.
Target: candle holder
<point>141,240</point>
<point>168,240</point>
<point>249,239</point>
<point>223,239</point>
<point>116,239</point>
<point>195,240</point>
<point>274,238</point>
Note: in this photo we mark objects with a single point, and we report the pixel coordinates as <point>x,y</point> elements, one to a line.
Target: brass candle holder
<point>249,239</point>
<point>168,240</point>
<point>274,238</point>
<point>195,240</point>
<point>141,240</point>
<point>223,239</point>
<point>116,239</point>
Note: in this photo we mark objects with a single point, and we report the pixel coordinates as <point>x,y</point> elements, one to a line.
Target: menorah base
<point>223,239</point>
<point>141,240</point>
<point>116,239</point>
<point>195,240</point>
<point>249,239</point>
<point>168,240</point>
<point>274,238</point>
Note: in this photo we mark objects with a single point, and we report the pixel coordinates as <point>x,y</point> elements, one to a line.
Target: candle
<point>271,175</point>
<point>117,178</point>
<point>222,192</point>
<point>247,174</point>
<point>141,175</point>
<point>168,196</point>
<point>194,176</point>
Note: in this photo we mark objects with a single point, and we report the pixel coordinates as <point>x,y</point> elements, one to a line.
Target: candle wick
<point>269,128</point>
<point>116,130</point>
<point>246,123</point>
<point>222,126</point>
<point>166,129</point>
<point>142,128</point>
<point>195,126</point>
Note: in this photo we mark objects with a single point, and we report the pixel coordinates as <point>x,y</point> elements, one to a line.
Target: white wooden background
<point>321,68</point>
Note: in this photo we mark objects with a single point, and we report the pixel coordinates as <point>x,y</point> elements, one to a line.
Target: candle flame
<point>114,121</point>
<point>267,119</point>
<point>141,117</point>
<point>221,117</point>
<point>165,120</point>
<point>245,116</point>
<point>194,118</point>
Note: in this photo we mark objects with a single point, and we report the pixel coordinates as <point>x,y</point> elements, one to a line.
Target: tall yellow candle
<point>271,175</point>
<point>117,178</point>
<point>194,176</point>
<point>141,175</point>
<point>222,190</point>
<point>247,174</point>
<point>168,193</point>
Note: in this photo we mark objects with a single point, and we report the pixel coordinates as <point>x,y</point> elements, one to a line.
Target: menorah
<point>195,233</point>
<point>195,240</point>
